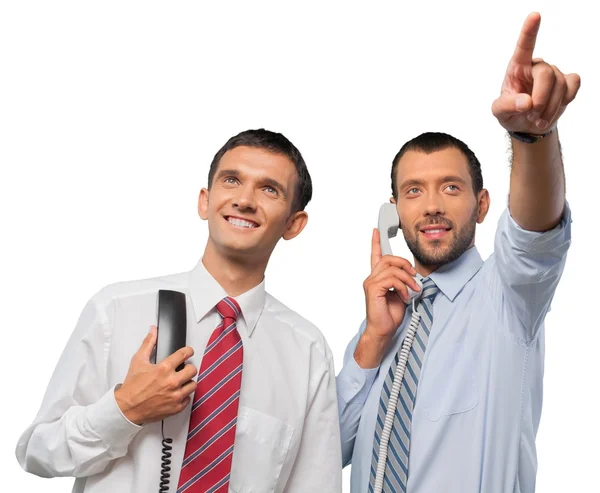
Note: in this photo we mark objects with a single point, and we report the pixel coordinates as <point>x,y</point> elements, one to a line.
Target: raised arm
<point>533,97</point>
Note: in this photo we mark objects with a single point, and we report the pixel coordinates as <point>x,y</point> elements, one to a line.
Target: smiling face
<point>248,206</point>
<point>437,206</point>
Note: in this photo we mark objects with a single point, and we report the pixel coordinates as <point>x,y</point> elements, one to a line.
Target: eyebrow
<point>270,182</point>
<point>443,179</point>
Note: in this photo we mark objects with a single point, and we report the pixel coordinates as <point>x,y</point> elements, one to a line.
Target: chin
<point>239,250</point>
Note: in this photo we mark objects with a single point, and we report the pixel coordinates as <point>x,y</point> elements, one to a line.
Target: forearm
<point>81,442</point>
<point>537,184</point>
<point>349,418</point>
<point>79,428</point>
<point>370,350</point>
<point>353,386</point>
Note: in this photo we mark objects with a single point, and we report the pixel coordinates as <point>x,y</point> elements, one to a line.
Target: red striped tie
<point>208,451</point>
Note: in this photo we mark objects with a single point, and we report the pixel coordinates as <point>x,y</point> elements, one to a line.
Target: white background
<point>111,112</point>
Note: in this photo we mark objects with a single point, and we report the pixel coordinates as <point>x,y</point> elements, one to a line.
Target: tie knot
<point>430,290</point>
<point>228,308</point>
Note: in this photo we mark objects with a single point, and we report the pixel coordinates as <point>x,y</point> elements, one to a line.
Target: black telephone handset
<point>172,327</point>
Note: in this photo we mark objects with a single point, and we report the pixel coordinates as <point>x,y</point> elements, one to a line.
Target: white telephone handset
<point>388,226</point>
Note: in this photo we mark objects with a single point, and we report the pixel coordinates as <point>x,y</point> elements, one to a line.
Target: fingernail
<point>521,103</point>
<point>533,116</point>
<point>542,123</point>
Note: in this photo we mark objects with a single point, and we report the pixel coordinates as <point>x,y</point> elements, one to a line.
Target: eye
<point>230,179</point>
<point>271,190</point>
<point>453,189</point>
<point>413,190</point>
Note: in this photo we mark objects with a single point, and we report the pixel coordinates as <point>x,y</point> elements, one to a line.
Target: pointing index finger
<point>523,54</point>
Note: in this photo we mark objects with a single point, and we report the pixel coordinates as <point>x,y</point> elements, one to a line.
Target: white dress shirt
<point>287,435</point>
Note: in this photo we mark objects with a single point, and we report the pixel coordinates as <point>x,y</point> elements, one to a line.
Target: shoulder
<point>116,292</point>
<point>295,325</point>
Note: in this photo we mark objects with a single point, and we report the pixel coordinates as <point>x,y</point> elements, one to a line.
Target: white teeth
<point>433,231</point>
<point>241,223</point>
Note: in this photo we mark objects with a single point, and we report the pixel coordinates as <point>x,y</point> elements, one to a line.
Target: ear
<point>295,225</point>
<point>392,200</point>
<point>483,205</point>
<point>203,204</point>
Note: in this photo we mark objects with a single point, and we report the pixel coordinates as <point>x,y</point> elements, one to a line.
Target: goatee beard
<point>461,241</point>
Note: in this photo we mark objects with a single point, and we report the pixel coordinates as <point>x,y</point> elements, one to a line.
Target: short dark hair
<point>276,143</point>
<point>429,142</point>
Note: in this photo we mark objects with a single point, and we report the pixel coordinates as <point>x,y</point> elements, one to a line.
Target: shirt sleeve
<point>529,266</point>
<point>353,387</point>
<point>318,464</point>
<point>79,427</point>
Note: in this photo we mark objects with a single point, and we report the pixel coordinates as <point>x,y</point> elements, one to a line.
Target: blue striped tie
<point>396,471</point>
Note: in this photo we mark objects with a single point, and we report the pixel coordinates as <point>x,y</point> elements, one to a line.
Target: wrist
<point>125,406</point>
<point>530,138</point>
<point>370,349</point>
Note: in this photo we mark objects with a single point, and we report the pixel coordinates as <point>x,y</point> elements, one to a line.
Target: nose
<point>245,199</point>
<point>434,205</point>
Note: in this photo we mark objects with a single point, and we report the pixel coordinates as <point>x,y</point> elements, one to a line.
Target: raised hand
<point>385,308</point>
<point>534,93</point>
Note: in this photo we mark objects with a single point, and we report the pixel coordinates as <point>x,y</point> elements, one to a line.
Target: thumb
<point>511,104</point>
<point>148,343</point>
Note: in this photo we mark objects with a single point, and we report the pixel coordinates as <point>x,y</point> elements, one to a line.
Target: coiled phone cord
<point>393,401</point>
<point>165,468</point>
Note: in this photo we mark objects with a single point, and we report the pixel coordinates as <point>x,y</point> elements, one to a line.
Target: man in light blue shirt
<point>475,415</point>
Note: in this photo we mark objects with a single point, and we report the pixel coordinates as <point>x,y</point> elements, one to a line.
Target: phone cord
<point>393,401</point>
<point>165,468</point>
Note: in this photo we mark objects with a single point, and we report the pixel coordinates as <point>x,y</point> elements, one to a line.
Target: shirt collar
<point>206,292</point>
<point>452,277</point>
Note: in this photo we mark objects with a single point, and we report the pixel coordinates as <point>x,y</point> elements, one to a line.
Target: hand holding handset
<point>389,289</point>
<point>159,382</point>
<point>147,393</point>
<point>388,226</point>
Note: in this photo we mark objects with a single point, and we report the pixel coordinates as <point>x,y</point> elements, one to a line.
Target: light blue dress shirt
<point>480,391</point>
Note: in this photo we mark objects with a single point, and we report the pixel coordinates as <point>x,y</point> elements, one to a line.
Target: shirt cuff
<point>354,382</point>
<point>536,241</point>
<point>108,421</point>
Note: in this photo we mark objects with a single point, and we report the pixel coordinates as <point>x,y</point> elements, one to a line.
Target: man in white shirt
<point>100,420</point>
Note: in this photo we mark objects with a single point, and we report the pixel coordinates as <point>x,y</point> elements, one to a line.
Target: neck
<point>235,275</point>
<point>424,270</point>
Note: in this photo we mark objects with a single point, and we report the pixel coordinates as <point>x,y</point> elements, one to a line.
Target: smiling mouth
<point>241,223</point>
<point>434,233</point>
